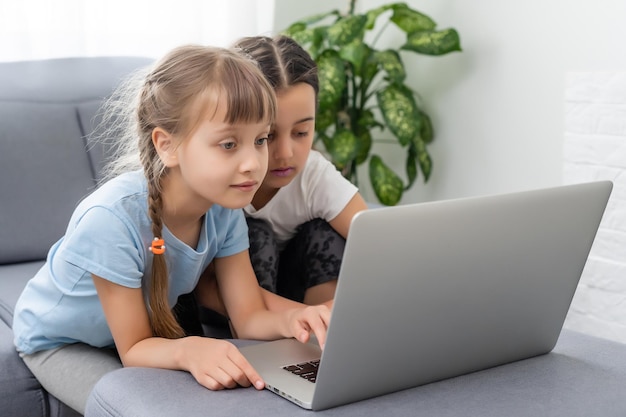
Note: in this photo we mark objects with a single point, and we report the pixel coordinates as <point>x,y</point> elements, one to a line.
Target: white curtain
<point>39,29</point>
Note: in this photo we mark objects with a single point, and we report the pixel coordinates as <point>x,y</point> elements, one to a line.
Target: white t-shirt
<point>319,191</point>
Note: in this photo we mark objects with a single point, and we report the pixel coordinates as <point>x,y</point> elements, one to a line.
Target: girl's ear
<point>165,146</point>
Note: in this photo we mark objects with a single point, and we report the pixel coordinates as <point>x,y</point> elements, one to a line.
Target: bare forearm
<point>277,303</point>
<point>157,352</point>
<point>264,325</point>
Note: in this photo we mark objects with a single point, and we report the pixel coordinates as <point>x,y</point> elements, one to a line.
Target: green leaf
<point>430,42</point>
<point>295,28</point>
<point>411,166</point>
<point>342,146</point>
<point>332,78</point>
<point>410,20</point>
<point>310,39</point>
<point>324,118</point>
<point>391,63</point>
<point>423,158</point>
<point>317,41</point>
<point>303,37</point>
<point>387,185</point>
<point>370,68</point>
<point>400,112</point>
<point>367,121</point>
<point>364,139</point>
<point>355,52</point>
<point>346,29</point>
<point>426,133</point>
<point>373,14</point>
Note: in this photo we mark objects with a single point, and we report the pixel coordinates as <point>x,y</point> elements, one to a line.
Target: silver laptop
<point>436,290</point>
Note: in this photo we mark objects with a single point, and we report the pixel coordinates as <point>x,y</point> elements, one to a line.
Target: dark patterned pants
<point>312,257</point>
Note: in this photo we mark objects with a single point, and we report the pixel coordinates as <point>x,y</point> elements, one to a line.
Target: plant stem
<point>387,141</point>
<point>351,9</point>
<point>355,94</point>
<point>353,173</point>
<point>380,32</point>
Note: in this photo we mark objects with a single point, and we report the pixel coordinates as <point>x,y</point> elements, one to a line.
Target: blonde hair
<point>173,96</point>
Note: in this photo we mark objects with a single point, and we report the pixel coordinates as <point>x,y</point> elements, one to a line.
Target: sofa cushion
<point>43,162</point>
<point>46,110</point>
<point>89,116</point>
<point>13,278</point>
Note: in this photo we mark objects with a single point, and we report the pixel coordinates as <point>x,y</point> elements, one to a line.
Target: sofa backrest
<point>47,108</point>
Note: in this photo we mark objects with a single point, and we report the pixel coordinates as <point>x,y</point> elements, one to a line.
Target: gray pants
<point>70,372</point>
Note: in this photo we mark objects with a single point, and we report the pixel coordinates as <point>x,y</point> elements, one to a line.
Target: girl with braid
<point>195,156</point>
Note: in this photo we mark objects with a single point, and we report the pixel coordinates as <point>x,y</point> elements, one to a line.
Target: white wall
<point>595,148</point>
<point>498,109</point>
<point>497,106</point>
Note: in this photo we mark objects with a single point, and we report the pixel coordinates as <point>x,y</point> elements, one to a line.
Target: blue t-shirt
<point>108,236</point>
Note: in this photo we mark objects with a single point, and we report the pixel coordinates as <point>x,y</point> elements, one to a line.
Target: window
<point>38,29</point>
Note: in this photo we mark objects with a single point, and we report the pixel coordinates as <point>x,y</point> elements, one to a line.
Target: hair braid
<point>162,320</point>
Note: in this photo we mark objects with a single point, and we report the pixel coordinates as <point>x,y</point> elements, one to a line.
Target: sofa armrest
<point>582,376</point>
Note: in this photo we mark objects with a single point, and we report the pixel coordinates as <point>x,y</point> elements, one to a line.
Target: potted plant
<point>363,88</point>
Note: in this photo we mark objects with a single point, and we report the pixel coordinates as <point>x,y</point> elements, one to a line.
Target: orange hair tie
<point>158,246</point>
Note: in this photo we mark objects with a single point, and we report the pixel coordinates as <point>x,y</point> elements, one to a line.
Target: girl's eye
<point>228,145</point>
<point>302,134</point>
<point>261,141</point>
<point>270,137</point>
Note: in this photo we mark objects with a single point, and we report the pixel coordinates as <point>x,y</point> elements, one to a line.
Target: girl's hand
<point>303,321</point>
<point>217,364</point>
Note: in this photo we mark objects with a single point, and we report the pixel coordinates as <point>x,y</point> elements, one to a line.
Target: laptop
<point>436,290</point>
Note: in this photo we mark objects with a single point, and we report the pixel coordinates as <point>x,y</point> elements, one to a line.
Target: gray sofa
<point>46,110</point>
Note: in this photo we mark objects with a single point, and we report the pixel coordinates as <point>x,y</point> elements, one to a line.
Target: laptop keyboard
<point>306,370</point>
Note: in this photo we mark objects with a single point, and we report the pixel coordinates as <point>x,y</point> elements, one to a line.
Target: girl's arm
<point>214,363</point>
<point>208,294</point>
<point>341,223</point>
<point>276,302</point>
<point>250,315</point>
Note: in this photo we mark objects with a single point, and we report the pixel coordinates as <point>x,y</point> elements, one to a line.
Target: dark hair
<point>282,60</point>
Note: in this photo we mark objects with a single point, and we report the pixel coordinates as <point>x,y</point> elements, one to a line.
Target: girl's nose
<point>281,148</point>
<point>254,159</point>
